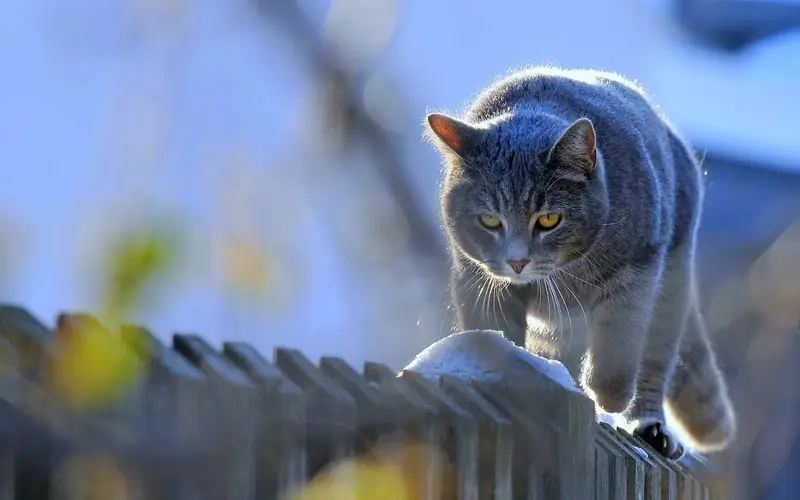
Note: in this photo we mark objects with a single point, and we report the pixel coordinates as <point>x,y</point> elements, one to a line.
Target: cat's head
<point>523,195</point>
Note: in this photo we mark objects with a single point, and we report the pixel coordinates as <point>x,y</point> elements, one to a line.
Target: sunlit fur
<point>620,262</point>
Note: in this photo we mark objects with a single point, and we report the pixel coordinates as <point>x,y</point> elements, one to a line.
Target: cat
<point>568,198</point>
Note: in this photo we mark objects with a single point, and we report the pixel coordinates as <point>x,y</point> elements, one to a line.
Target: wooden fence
<point>205,423</point>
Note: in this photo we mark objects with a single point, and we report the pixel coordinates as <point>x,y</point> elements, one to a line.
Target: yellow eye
<point>548,221</point>
<point>490,221</point>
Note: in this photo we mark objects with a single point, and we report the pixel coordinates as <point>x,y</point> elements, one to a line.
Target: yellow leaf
<point>135,260</point>
<point>91,367</point>
<point>391,471</point>
<point>353,480</point>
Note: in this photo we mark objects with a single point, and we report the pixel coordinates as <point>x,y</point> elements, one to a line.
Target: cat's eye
<point>548,221</point>
<point>490,221</point>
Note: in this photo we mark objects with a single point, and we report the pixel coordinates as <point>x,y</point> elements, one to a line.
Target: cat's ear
<point>457,136</point>
<point>577,147</point>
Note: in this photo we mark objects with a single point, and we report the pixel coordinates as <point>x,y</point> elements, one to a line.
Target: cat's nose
<point>518,265</point>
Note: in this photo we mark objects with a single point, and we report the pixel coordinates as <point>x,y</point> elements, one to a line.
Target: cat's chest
<point>562,306</point>
<point>566,295</point>
<point>558,320</point>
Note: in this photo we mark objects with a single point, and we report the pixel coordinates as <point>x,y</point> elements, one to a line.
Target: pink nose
<point>518,265</point>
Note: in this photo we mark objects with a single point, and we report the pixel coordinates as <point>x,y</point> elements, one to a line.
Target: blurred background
<point>261,165</point>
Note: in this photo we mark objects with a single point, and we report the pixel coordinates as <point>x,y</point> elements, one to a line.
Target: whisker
<point>480,299</point>
<point>551,293</point>
<point>501,290</point>
<point>567,313</point>
<point>487,304</point>
<point>583,311</point>
<point>548,291</point>
<point>558,269</point>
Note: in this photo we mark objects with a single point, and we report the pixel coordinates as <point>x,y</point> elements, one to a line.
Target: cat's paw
<point>612,394</point>
<point>656,434</point>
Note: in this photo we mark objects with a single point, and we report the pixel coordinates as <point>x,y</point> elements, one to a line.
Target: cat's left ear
<point>577,147</point>
<point>455,135</point>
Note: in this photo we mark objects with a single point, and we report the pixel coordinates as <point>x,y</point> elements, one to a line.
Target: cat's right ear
<point>454,135</point>
<point>577,147</point>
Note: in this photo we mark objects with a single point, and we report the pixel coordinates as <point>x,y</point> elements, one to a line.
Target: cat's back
<point>569,93</point>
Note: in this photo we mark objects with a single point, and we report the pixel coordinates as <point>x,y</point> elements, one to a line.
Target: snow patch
<point>486,356</point>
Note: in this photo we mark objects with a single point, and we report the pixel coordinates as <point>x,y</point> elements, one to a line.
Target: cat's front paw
<point>613,394</point>
<point>656,434</point>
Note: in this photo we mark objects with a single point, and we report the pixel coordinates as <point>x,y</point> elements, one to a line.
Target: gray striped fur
<point>592,147</point>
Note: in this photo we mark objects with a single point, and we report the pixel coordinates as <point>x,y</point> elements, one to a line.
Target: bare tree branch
<point>424,236</point>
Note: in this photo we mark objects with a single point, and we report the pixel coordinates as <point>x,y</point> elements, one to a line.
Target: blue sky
<point>102,117</point>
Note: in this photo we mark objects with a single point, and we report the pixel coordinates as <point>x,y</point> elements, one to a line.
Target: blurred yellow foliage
<point>91,366</point>
<point>92,478</point>
<point>135,259</point>
<point>358,481</point>
<point>247,266</point>
<point>391,472</point>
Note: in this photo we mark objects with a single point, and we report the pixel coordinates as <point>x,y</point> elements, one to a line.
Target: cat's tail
<point>698,395</point>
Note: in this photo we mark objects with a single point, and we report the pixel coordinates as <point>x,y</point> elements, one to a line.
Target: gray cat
<point>569,199</point>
